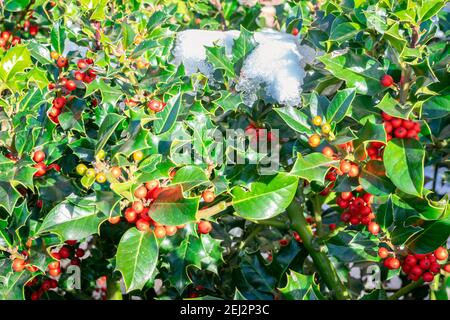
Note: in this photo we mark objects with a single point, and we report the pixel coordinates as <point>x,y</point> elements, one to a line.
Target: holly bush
<point>98,201</point>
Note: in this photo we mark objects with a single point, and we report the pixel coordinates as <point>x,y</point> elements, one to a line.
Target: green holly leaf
<point>107,128</point>
<point>295,119</point>
<point>58,37</point>
<point>136,258</point>
<point>167,118</point>
<point>340,104</point>
<point>433,235</point>
<point>14,62</point>
<point>374,180</point>
<point>8,196</point>
<point>404,161</point>
<point>172,209</point>
<point>312,167</point>
<point>218,58</point>
<point>436,107</point>
<point>12,285</point>
<point>109,94</point>
<point>300,287</point>
<point>73,219</point>
<point>393,107</point>
<point>265,198</point>
<point>189,177</point>
<point>359,71</point>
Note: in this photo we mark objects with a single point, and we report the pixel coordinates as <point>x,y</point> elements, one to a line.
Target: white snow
<point>274,70</point>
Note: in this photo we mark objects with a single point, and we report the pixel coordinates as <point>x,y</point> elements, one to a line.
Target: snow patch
<point>274,70</point>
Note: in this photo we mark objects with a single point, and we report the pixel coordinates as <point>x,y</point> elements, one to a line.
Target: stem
<point>406,289</point>
<point>436,170</point>
<point>406,83</point>
<point>321,261</point>
<point>215,209</point>
<point>317,208</point>
<point>250,236</point>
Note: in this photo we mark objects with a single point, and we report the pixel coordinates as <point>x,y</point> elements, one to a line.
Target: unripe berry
<point>345,166</point>
<point>140,192</point>
<point>54,55</point>
<point>138,207</point>
<point>447,268</point>
<point>160,232</point>
<point>354,171</point>
<point>326,128</point>
<point>100,177</point>
<point>317,120</point>
<point>374,228</point>
<point>208,196</point>
<point>328,152</point>
<point>171,230</point>
<point>90,173</point>
<point>204,227</point>
<point>386,80</point>
<point>54,265</point>
<point>138,155</point>
<point>151,185</point>
<point>116,172</point>
<point>18,265</point>
<point>314,140</point>
<point>114,220</point>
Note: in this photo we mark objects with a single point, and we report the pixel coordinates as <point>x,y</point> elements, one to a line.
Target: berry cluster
<point>325,128</point>
<point>400,128</point>
<point>42,168</point>
<point>417,266</point>
<point>39,287</point>
<point>257,133</point>
<point>137,213</point>
<point>101,288</point>
<point>358,210</point>
<point>68,251</point>
<point>375,150</point>
<point>7,40</point>
<point>85,73</point>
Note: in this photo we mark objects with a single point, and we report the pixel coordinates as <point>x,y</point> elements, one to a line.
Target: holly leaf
<point>172,209</point>
<point>136,258</point>
<point>266,198</point>
<point>189,177</point>
<point>73,219</point>
<point>433,235</point>
<point>340,104</point>
<point>312,167</point>
<point>109,94</point>
<point>404,160</point>
<point>218,58</point>
<point>297,120</point>
<point>373,179</point>
<point>300,287</point>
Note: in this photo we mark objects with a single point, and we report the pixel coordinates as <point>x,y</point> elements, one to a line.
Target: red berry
<point>33,30</point>
<point>41,169</point>
<point>392,263</point>
<point>368,198</point>
<point>345,216</point>
<point>345,166</point>
<point>71,85</point>
<point>54,265</point>
<point>388,127</point>
<point>332,226</point>
<point>64,252</point>
<point>447,268</point>
<point>410,260</point>
<point>79,75</point>
<point>35,295</point>
<point>137,206</point>
<point>408,124</point>
<point>81,64</point>
<point>54,272</point>
<point>435,267</point>
<point>417,271</point>
<point>347,195</point>
<point>39,156</point>
<point>55,166</point>
<point>61,62</point>
<point>383,253</point>
<point>400,132</point>
<point>130,215</point>
<point>424,264</point>
<point>59,102</point>
<point>427,277</point>
<point>5,35</point>
<point>396,122</point>
<point>295,31</point>
<point>155,105</point>
<point>386,80</point>
<point>54,112</point>
<point>441,253</point>
<point>204,227</point>
<point>160,232</point>
<point>75,262</point>
<point>354,171</point>
<point>79,252</point>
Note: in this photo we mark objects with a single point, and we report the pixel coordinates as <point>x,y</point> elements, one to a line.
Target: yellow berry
<point>100,177</point>
<point>138,155</point>
<point>81,169</point>
<point>90,173</point>
<point>326,128</point>
<point>317,120</point>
